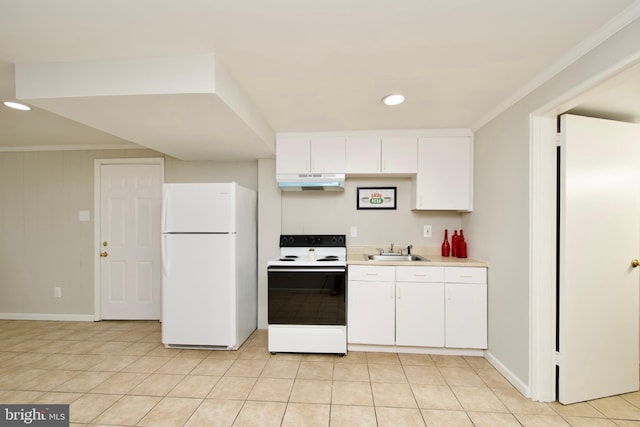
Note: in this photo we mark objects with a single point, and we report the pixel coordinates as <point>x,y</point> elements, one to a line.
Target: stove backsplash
<point>331,213</point>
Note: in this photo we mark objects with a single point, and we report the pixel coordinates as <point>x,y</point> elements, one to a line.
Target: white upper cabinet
<point>363,154</point>
<point>392,155</point>
<point>444,180</point>
<point>328,154</point>
<point>307,154</point>
<point>399,155</point>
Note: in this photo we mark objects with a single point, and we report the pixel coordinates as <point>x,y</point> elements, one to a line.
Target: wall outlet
<point>354,231</point>
<point>427,231</point>
<point>57,292</point>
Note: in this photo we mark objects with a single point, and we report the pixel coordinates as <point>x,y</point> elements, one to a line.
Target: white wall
<point>244,173</point>
<point>499,225</point>
<point>269,226</point>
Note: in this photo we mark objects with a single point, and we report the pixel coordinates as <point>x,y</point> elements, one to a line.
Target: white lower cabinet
<point>417,306</point>
<point>420,314</point>
<point>420,306</point>
<point>371,305</point>
<point>466,307</point>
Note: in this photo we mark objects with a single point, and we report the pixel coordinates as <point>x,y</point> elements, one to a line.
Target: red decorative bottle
<point>462,246</point>
<point>446,248</point>
<point>454,243</point>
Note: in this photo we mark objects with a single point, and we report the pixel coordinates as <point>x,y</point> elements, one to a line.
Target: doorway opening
<point>543,239</point>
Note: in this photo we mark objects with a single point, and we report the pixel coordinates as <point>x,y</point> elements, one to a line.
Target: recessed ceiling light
<point>393,99</point>
<point>17,106</point>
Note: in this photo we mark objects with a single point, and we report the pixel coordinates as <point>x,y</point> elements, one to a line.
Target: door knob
<point>635,263</point>
<point>104,254</point>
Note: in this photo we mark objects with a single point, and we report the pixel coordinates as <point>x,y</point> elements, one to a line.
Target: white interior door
<point>130,204</point>
<point>599,237</point>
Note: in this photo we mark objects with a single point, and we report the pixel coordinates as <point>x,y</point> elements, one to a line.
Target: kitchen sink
<point>395,257</point>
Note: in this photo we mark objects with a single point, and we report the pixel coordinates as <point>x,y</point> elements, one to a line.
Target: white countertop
<point>357,255</point>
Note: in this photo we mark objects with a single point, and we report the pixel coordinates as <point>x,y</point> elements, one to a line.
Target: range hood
<point>310,181</point>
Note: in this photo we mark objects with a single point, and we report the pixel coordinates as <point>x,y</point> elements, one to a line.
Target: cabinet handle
<point>391,292</point>
<point>371,273</point>
<point>448,294</point>
<point>466,276</point>
<point>398,294</point>
<point>420,275</point>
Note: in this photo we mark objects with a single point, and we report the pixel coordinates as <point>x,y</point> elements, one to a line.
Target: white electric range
<point>307,294</point>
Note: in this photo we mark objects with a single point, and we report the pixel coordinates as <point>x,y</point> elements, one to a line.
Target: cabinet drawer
<point>465,275</point>
<point>376,273</point>
<point>420,274</point>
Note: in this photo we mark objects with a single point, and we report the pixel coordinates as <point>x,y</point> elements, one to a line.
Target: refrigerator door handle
<point>165,204</point>
<point>163,251</point>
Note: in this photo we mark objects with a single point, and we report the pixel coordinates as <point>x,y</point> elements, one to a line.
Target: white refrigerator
<point>209,265</point>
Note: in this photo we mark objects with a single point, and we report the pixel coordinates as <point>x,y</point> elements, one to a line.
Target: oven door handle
<point>306,270</point>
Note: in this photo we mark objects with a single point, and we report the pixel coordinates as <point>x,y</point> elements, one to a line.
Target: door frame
<point>542,228</point>
<point>97,167</point>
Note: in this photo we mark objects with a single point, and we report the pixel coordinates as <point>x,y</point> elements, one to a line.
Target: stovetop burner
<point>329,258</point>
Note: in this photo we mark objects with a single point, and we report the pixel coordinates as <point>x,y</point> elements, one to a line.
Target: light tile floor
<point>118,373</point>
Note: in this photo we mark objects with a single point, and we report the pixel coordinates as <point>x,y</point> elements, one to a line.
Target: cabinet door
<point>420,314</point>
<point>371,313</point>
<point>399,155</point>
<point>328,154</point>
<point>293,155</point>
<point>444,180</point>
<point>466,315</point>
<point>363,155</point>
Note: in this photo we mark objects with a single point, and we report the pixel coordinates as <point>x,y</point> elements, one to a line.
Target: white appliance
<point>307,295</point>
<point>209,265</point>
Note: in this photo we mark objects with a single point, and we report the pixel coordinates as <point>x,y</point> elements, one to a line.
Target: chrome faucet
<point>391,248</point>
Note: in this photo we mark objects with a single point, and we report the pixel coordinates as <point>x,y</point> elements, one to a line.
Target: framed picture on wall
<point>376,198</point>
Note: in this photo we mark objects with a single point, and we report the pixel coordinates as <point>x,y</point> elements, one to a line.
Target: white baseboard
<point>415,350</point>
<point>513,379</point>
<point>47,316</point>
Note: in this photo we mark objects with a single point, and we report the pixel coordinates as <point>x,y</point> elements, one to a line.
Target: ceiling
<point>285,65</point>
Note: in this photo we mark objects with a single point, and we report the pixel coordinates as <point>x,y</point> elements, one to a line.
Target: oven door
<point>307,295</point>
